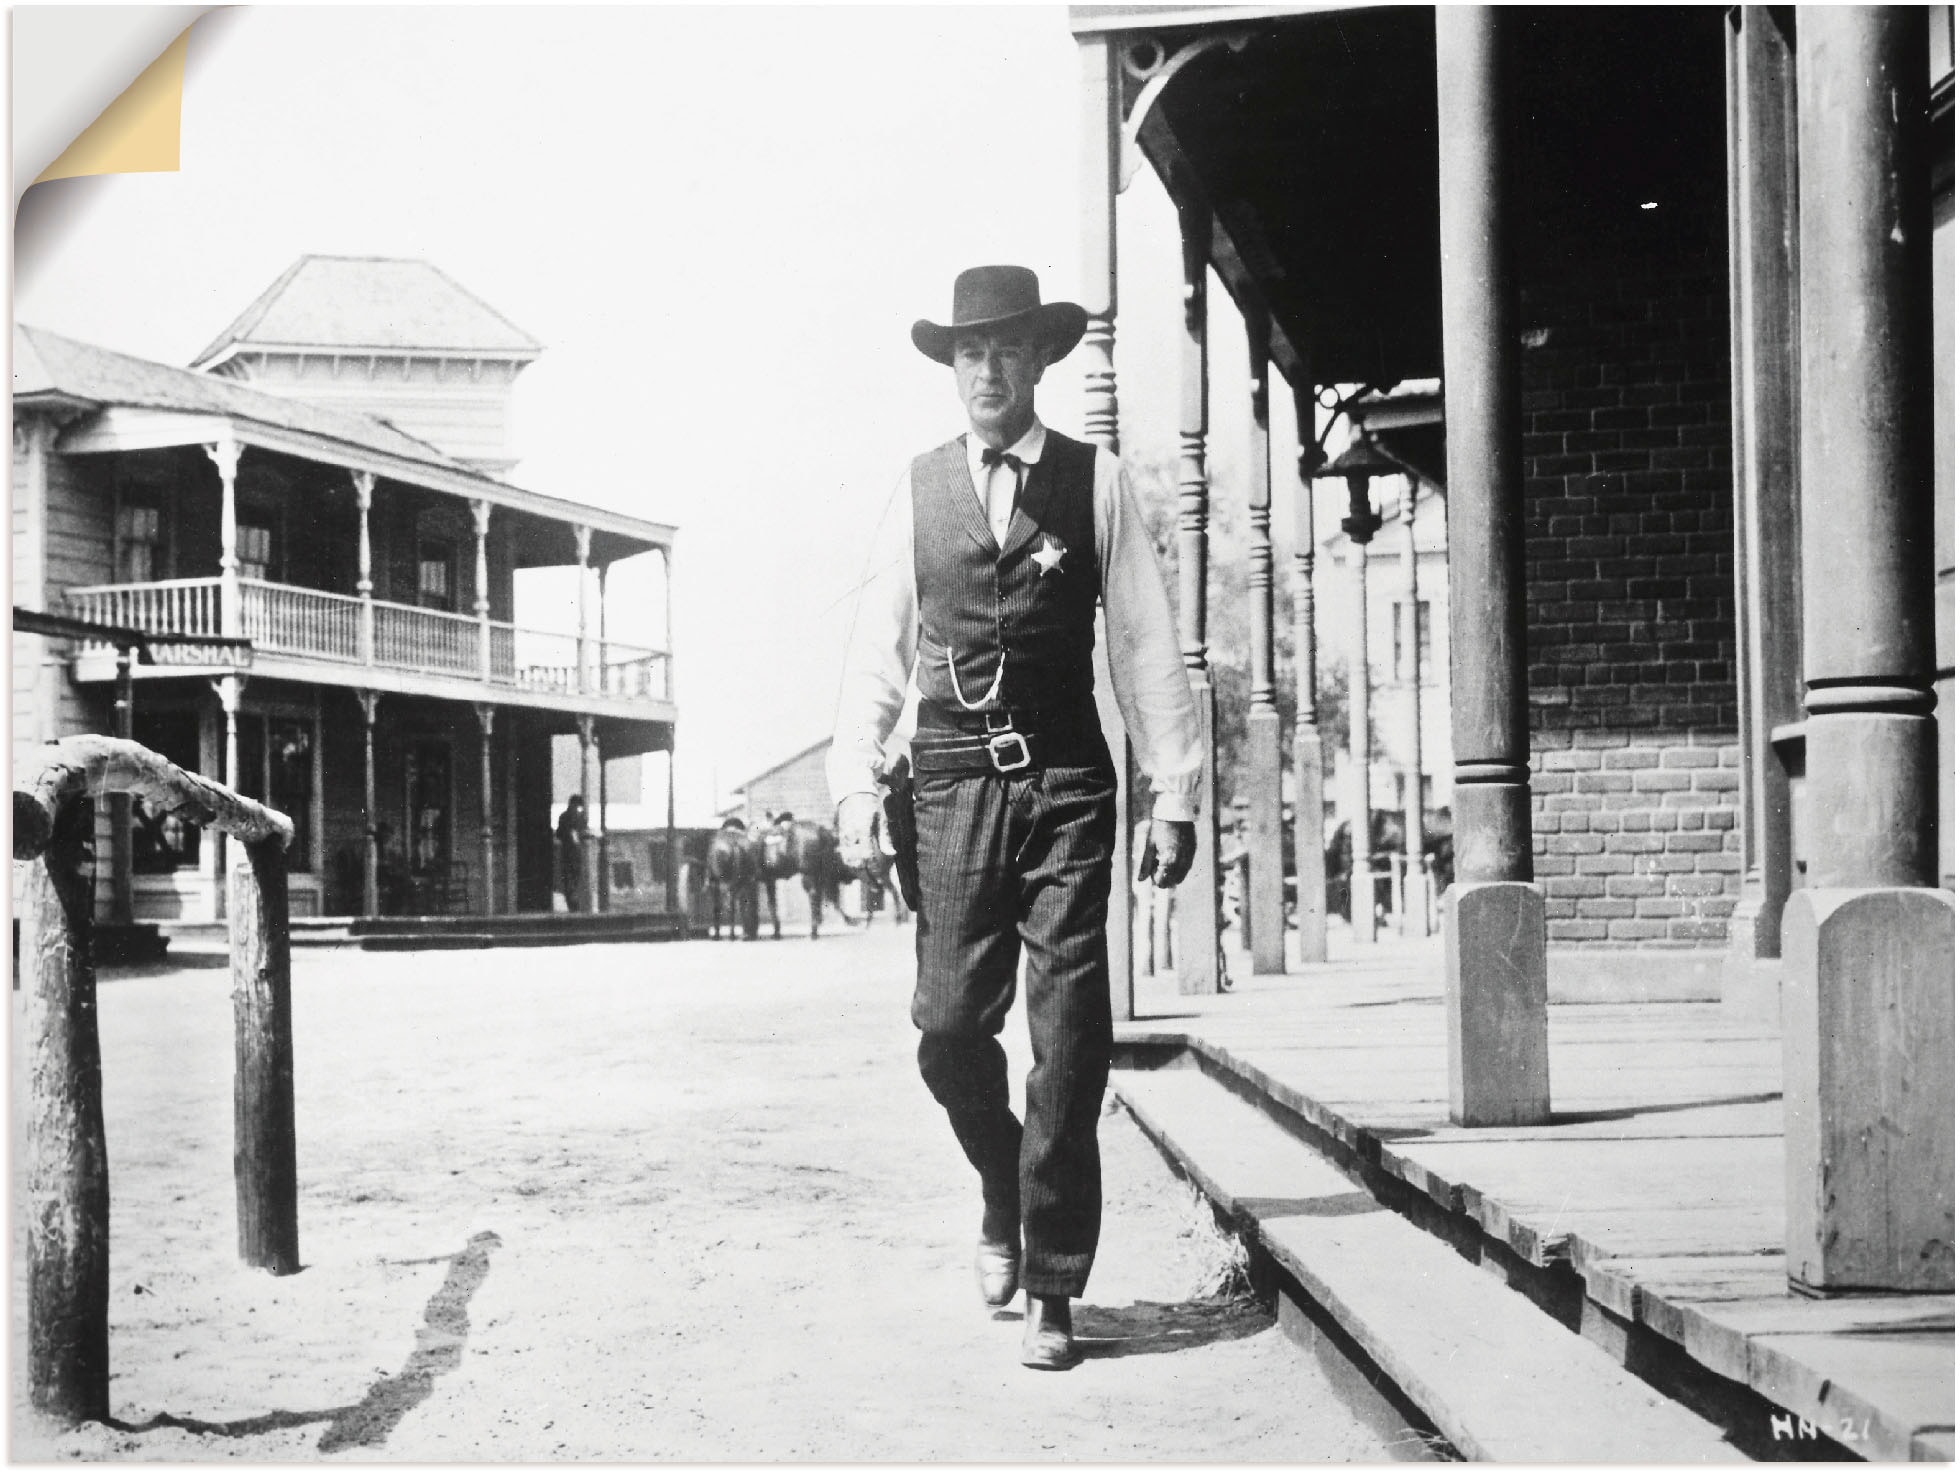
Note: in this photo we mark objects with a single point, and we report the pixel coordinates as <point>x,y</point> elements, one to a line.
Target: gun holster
<point>902,828</point>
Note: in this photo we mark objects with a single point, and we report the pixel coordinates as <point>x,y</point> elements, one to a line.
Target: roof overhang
<point>123,427</point>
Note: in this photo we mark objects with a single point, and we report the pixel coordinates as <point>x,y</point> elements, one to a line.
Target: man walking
<point>986,573</point>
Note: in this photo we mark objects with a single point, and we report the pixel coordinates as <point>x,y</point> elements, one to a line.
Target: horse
<point>734,868</point>
<point>790,848</point>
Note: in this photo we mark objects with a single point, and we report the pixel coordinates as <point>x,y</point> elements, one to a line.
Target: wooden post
<point>486,718</point>
<point>1101,122</point>
<point>371,849</point>
<point>673,840</point>
<point>264,1153</point>
<point>1309,781</point>
<point>1198,970</point>
<point>1868,942</point>
<point>67,1161</point>
<point>364,583</point>
<point>480,513</point>
<point>1415,905</point>
<point>588,877</point>
<point>1763,323</point>
<point>667,621</point>
<point>1360,797</point>
<point>1262,910</point>
<point>67,1197</point>
<point>602,848</point>
<point>582,536</point>
<point>122,859</point>
<point>224,454</point>
<point>231,694</point>
<point>1494,916</point>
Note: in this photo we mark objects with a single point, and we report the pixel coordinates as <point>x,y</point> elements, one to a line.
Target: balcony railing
<point>316,625</point>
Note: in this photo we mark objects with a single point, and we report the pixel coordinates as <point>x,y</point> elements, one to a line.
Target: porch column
<point>1263,908</point>
<point>601,686</point>
<point>1868,942</point>
<point>1101,115</point>
<point>602,886</point>
<point>486,718</point>
<point>364,582</point>
<point>370,850</point>
<point>1415,892</point>
<point>224,455</point>
<point>1309,782</point>
<point>673,838</point>
<point>588,874</point>
<point>667,622</point>
<point>582,535</point>
<point>480,513</point>
<point>231,692</point>
<point>1494,916</point>
<point>1360,525</point>
<point>1197,897</point>
<point>1763,327</point>
<point>122,880</point>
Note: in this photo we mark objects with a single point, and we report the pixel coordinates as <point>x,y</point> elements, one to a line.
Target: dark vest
<point>981,600</point>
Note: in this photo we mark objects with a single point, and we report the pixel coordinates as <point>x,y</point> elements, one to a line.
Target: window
<point>435,574</point>
<point>255,552</point>
<point>139,543</point>
<point>289,757</point>
<point>428,807</point>
<point>622,875</point>
<point>1403,670</point>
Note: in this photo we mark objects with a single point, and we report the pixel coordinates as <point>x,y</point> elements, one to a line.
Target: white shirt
<point>1145,665</point>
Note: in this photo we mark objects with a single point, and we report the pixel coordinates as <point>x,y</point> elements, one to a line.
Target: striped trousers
<point>1011,865</point>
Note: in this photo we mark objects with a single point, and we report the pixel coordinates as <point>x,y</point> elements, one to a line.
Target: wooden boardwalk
<point>1660,1180</point>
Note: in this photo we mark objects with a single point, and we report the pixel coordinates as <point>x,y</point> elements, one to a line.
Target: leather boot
<point>1048,1335</point>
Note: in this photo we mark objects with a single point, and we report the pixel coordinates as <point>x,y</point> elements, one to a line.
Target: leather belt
<point>1006,752</point>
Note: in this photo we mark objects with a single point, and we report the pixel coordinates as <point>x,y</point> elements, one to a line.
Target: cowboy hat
<point>994,299</point>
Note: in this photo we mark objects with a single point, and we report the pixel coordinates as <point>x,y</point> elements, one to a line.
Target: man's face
<point>996,374</point>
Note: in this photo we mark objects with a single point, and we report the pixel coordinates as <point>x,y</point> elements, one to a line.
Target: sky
<point>720,221</point>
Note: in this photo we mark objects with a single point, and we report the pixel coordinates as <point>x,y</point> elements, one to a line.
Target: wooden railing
<point>304,621</point>
<point>300,620</point>
<point>427,639</point>
<point>66,1200</point>
<point>181,606</point>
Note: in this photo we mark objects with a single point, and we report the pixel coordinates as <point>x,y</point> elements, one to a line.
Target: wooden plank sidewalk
<point>1659,1181</point>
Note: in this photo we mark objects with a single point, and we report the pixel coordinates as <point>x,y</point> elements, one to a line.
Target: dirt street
<point>640,1202</point>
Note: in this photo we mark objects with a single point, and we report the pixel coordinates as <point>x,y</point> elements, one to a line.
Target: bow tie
<point>990,457</point>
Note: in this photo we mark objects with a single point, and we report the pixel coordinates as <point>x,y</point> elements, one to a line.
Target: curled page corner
<point>63,75</point>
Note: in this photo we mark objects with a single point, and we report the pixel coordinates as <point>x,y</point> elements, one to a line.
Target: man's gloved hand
<point>1167,852</point>
<point>860,825</point>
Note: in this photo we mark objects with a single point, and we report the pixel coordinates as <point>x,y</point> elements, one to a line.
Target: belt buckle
<point>1005,744</point>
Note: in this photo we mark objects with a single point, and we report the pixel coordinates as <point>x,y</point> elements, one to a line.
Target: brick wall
<point>1630,582</point>
<point>1635,836</point>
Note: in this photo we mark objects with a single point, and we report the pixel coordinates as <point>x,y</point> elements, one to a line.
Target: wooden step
<point>1498,1377</point>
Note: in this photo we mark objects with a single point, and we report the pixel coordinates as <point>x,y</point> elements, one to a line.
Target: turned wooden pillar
<point>582,535</point>
<point>1197,897</point>
<point>122,857</point>
<point>1309,780</point>
<point>480,514</point>
<point>1099,136</point>
<point>486,720</point>
<point>1360,525</point>
<point>371,850</point>
<point>1494,916</point>
<point>588,872</point>
<point>1762,95</point>
<point>1868,942</point>
<point>1262,911</point>
<point>224,454</point>
<point>364,582</point>
<point>1415,888</point>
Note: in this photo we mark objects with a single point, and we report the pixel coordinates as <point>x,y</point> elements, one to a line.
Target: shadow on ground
<point>1165,1328</point>
<point>369,1422</point>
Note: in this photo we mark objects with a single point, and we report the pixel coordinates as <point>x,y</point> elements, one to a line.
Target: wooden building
<point>1684,275</point>
<point>327,485</point>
